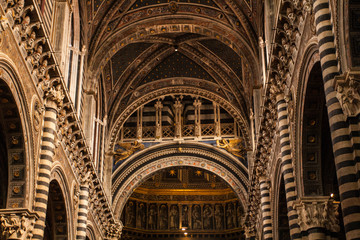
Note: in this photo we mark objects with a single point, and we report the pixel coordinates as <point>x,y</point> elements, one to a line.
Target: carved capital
<point>113,232</point>
<point>55,94</point>
<point>347,87</point>
<point>320,212</point>
<point>250,230</point>
<point>85,177</point>
<point>16,224</point>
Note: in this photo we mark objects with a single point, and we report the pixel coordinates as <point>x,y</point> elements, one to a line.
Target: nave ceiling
<point>140,48</point>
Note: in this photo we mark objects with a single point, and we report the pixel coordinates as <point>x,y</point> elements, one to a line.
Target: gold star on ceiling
<point>172,172</point>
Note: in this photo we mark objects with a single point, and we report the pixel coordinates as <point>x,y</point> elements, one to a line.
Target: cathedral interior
<point>180,119</point>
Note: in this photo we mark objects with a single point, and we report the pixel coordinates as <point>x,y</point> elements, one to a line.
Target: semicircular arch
<point>22,155</point>
<point>166,91</point>
<point>142,165</point>
<point>311,57</point>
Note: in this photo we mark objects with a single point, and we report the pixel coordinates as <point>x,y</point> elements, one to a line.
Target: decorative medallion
<point>173,7</point>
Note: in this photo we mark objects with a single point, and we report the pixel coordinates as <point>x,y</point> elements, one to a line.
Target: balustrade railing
<point>188,131</point>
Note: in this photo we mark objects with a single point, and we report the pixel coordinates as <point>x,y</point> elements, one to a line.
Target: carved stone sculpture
<point>114,231</point>
<point>317,212</point>
<point>348,93</point>
<point>16,225</point>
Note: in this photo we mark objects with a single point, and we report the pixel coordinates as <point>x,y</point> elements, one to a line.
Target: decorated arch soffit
<point>138,168</point>
<point>106,15</point>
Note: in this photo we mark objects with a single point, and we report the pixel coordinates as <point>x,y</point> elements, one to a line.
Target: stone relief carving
<point>16,225</point>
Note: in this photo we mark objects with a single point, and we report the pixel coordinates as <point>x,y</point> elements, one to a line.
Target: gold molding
<point>148,191</point>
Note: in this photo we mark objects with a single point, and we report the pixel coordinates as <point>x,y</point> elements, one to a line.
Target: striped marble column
<point>286,165</point>
<point>266,209</point>
<point>47,152</point>
<point>344,150</point>
<point>83,211</point>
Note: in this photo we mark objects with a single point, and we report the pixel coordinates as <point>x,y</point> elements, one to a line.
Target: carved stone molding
<point>16,224</point>
<point>289,29</point>
<point>139,176</point>
<point>347,87</point>
<point>318,212</point>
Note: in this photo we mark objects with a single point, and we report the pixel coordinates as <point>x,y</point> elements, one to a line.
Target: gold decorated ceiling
<point>134,43</point>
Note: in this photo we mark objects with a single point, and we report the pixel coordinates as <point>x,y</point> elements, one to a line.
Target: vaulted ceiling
<point>139,47</point>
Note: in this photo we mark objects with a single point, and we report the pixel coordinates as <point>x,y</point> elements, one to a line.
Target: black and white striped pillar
<point>344,149</point>
<point>83,209</point>
<point>266,209</point>
<point>286,165</point>
<point>47,152</point>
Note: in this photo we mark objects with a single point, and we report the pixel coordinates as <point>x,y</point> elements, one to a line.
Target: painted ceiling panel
<point>177,65</point>
<point>228,55</point>
<point>123,58</point>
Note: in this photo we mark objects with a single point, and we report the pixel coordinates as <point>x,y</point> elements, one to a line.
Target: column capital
<point>279,96</point>
<point>114,230</point>
<point>347,88</point>
<point>55,94</point>
<point>249,231</point>
<point>317,212</point>
<point>17,223</point>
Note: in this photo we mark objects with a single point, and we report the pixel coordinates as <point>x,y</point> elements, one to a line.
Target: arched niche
<point>56,215</point>
<point>318,167</point>
<point>14,175</point>
<point>180,198</point>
